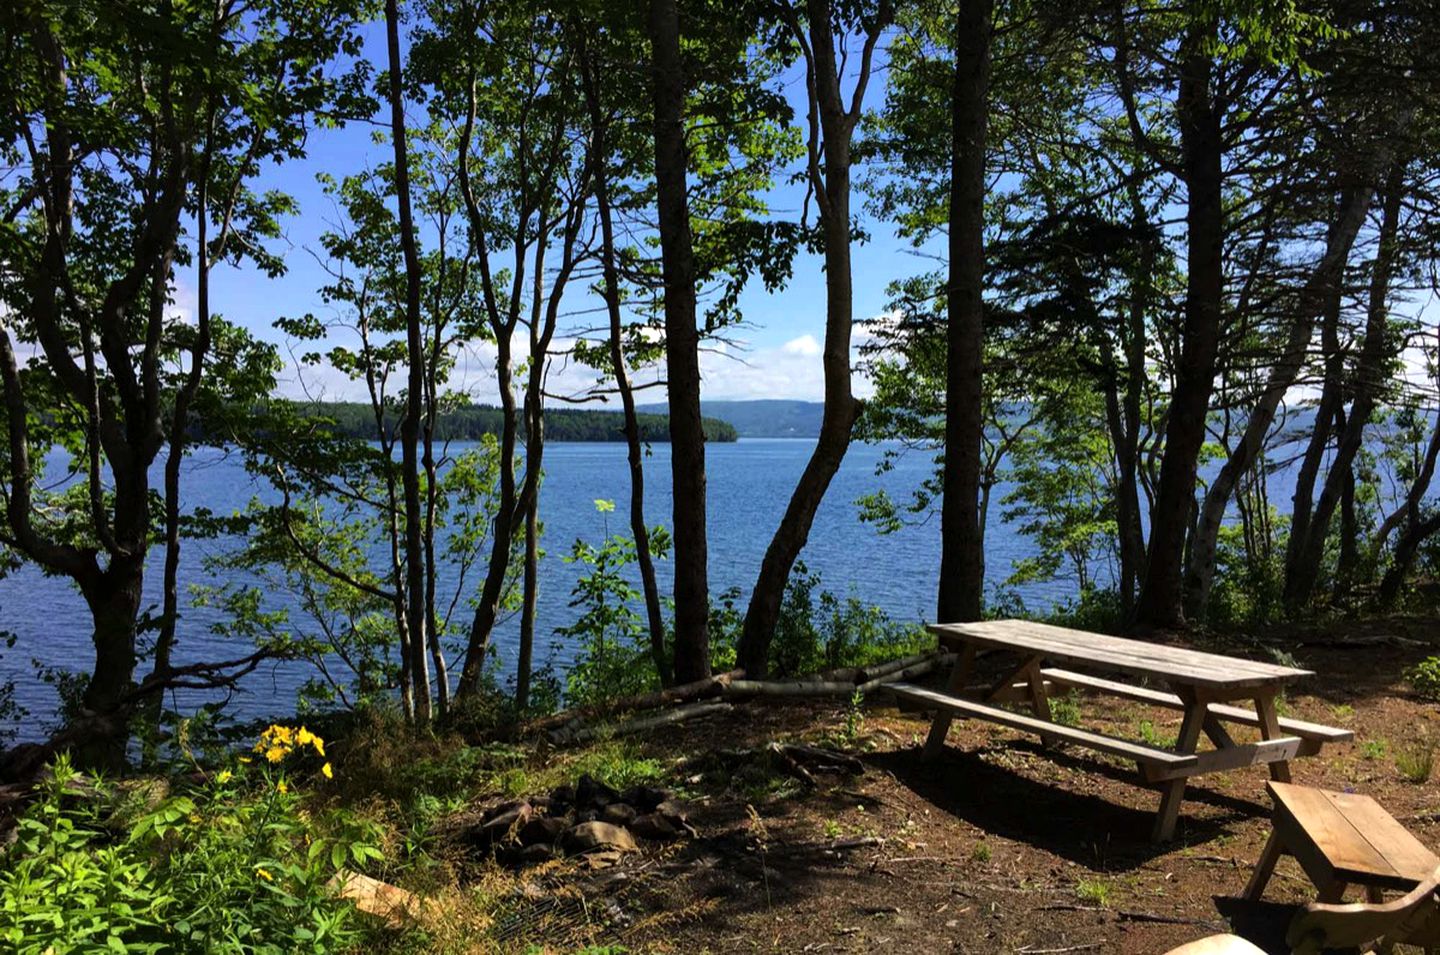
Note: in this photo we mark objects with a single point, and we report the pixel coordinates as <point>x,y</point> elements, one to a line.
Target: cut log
<point>391,904</point>
<point>679,714</point>
<point>700,689</point>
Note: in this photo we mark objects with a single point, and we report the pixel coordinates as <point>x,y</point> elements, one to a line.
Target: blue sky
<point>777,354</point>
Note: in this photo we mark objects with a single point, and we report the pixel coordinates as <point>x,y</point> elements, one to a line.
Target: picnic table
<point>1201,685</point>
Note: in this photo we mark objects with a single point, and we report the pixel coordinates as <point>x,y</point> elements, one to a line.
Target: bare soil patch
<point>998,846</point>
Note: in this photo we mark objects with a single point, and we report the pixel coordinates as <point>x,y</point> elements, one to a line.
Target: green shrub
<point>820,631</point>
<point>1424,678</point>
<point>235,866</point>
<point>11,712</point>
<point>1096,609</point>
<point>615,659</point>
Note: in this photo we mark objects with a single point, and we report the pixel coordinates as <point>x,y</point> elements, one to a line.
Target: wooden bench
<point>1151,758</point>
<point>1314,734</point>
<point>1341,839</point>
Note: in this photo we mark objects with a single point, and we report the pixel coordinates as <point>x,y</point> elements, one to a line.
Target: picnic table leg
<point>1270,729</point>
<point>1039,700</point>
<point>1264,867</point>
<point>959,676</point>
<point>1173,793</point>
<point>1031,684</point>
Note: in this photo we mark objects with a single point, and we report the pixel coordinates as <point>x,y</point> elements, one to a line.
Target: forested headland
<point>473,422</point>
<point>1151,286</point>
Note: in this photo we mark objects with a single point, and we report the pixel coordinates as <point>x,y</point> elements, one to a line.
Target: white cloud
<point>730,370</point>
<point>805,345</point>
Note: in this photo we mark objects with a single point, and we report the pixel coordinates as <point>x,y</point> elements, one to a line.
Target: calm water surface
<point>749,485</point>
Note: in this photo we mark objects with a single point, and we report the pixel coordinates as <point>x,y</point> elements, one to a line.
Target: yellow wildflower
<point>327,772</point>
<point>224,776</point>
<point>319,745</point>
<point>276,753</point>
<point>281,788</point>
<point>304,737</point>
<point>262,873</point>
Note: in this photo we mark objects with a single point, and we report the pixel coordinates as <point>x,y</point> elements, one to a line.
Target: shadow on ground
<point>1080,827</point>
<point>1263,923</point>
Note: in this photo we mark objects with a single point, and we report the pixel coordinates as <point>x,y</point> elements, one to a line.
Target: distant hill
<point>561,424</point>
<point>764,418</point>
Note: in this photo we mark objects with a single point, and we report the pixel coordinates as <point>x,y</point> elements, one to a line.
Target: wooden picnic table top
<point>1173,664</point>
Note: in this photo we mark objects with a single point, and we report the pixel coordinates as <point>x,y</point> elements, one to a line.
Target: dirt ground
<point>999,845</point>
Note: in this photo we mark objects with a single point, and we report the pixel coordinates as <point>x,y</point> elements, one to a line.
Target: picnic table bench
<point>1201,685</point>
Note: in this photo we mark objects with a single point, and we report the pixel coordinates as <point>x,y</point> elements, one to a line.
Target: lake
<point>749,486</point>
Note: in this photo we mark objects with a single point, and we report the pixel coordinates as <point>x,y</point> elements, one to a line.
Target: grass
<point>617,763</point>
<point>981,852</point>
<point>1416,761</point>
<point>1094,891</point>
<point>1065,710</point>
<point>1152,737</point>
<point>1374,749</point>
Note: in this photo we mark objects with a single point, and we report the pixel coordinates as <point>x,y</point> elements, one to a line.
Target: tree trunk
<point>487,611</point>
<point>1201,148</point>
<point>682,349</point>
<point>1124,411</point>
<point>1406,547</point>
<point>1415,530</point>
<point>414,410</point>
<point>531,589</point>
<point>1304,495</point>
<point>114,601</point>
<point>1300,582</point>
<point>1408,512</point>
<point>635,452</point>
<point>962,566</point>
<point>1349,559</point>
<point>837,126</point>
<point>1323,287</point>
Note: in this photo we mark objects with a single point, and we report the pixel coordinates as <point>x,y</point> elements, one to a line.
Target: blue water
<point>749,483</point>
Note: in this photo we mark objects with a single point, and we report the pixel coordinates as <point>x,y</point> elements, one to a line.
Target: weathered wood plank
<point>1126,749</point>
<point>1314,826</point>
<point>1235,757</point>
<point>1226,712</point>
<point>1118,653</point>
<point>1404,853</point>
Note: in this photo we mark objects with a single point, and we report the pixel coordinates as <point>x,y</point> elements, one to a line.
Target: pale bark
<point>832,126</point>
<point>1305,569</point>
<point>1322,286</point>
<point>416,615</point>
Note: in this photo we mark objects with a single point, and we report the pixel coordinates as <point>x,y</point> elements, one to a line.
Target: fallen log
<point>801,689</point>
<point>700,689</point>
<point>580,725</point>
<point>690,711</point>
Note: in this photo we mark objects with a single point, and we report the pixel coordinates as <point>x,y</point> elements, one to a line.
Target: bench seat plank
<point>1231,714</point>
<point>1126,749</point>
